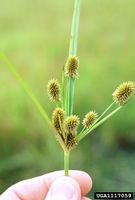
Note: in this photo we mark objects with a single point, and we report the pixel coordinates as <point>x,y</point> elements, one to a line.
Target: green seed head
<point>58,119</point>
<point>89,119</point>
<point>71,67</point>
<point>53,88</point>
<point>71,124</point>
<point>123,92</point>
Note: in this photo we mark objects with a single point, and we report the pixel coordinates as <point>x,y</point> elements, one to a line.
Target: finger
<point>64,188</point>
<point>37,188</point>
<point>81,177</point>
<point>9,195</point>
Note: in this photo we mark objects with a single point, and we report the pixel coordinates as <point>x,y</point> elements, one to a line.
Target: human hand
<point>51,186</point>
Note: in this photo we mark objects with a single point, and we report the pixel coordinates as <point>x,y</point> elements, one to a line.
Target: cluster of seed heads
<point>66,126</point>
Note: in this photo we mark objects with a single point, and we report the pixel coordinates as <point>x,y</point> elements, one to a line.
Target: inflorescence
<point>122,94</point>
<point>66,125</point>
<point>71,67</point>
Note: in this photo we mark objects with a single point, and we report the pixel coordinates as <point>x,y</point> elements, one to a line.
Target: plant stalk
<point>63,91</point>
<point>106,110</point>
<point>73,52</point>
<point>74,29</point>
<point>66,163</point>
<point>70,81</point>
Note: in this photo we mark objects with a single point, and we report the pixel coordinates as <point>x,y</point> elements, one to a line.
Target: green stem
<point>73,52</point>
<point>63,90</point>
<point>26,88</point>
<point>66,163</point>
<point>85,133</point>
<point>74,29</point>
<point>70,96</point>
<point>67,96</point>
<point>106,110</point>
<point>82,131</point>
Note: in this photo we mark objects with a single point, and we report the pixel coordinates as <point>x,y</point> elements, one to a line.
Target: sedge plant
<point>64,122</point>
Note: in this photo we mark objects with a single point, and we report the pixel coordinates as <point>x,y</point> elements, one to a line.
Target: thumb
<point>64,188</point>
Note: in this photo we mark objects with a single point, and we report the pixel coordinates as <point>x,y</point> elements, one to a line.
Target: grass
<point>106,46</point>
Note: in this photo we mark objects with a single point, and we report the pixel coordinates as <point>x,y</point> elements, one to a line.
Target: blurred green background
<point>35,37</point>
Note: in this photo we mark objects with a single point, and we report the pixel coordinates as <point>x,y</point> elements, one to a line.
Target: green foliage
<point>37,42</point>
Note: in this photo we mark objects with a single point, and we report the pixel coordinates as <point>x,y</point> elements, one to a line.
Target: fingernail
<point>62,191</point>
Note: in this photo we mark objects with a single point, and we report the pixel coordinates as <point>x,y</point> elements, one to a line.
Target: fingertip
<point>83,179</point>
<point>64,188</point>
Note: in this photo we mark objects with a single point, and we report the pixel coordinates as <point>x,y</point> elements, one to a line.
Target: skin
<point>51,186</point>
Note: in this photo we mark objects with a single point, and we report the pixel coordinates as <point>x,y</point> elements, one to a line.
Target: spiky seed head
<point>53,88</point>
<point>123,92</point>
<point>71,141</point>
<point>71,67</point>
<point>58,119</point>
<point>89,119</point>
<point>71,124</point>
